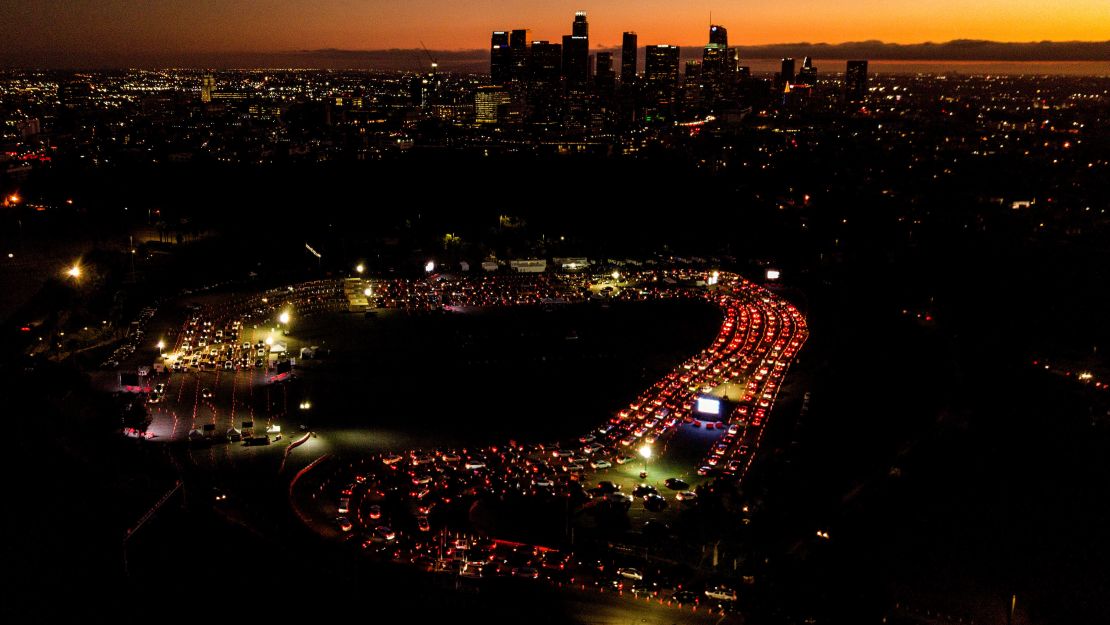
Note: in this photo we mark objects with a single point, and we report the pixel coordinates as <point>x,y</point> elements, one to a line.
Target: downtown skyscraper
<point>576,52</point>
<point>500,58</point>
<point>855,81</point>
<point>628,57</point>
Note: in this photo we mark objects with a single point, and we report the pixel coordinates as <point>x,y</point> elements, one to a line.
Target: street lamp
<point>359,268</point>
<point>284,317</point>
<point>645,451</point>
<point>367,292</point>
<point>161,346</point>
<point>430,266</point>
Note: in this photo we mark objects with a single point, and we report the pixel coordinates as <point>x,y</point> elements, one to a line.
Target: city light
<point>359,268</point>
<point>284,317</point>
<point>616,275</point>
<point>161,345</point>
<point>367,292</point>
<point>645,451</point>
<point>14,198</point>
<point>74,272</point>
<point>773,274</point>
<point>430,266</point>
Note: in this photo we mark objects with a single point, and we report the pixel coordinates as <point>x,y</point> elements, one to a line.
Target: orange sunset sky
<point>181,26</point>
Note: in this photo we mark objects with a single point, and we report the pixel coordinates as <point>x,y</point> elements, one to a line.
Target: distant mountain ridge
<point>477,60</point>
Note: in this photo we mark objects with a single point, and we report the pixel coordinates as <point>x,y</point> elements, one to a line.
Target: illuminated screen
<point>773,274</point>
<point>709,406</point>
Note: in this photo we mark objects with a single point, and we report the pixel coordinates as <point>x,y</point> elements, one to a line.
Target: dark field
<point>493,375</point>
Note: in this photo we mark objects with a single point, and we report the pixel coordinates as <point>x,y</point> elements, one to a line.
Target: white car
<point>631,574</point>
<point>600,464</point>
<point>474,464</point>
<point>721,593</point>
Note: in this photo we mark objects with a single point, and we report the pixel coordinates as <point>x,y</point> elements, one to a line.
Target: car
<point>687,495</point>
<point>704,470</point>
<point>554,560</point>
<point>206,393</point>
<point>600,464</point>
<point>675,483</point>
<point>383,533</point>
<point>630,573</point>
<point>721,593</point>
<point>644,489</point>
<point>624,459</point>
<point>218,495</point>
<point>422,524</point>
<point>526,572</point>
<point>685,597</point>
<point>625,501</point>
<point>655,502</point>
<point>607,486</point>
<point>474,465</point>
<point>391,459</point>
<point>375,512</point>
<point>344,505</point>
<point>344,523</point>
<point>229,365</point>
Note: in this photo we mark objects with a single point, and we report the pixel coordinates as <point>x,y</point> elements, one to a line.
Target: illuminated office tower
<point>500,58</point>
<point>661,65</point>
<point>207,86</point>
<point>576,51</point>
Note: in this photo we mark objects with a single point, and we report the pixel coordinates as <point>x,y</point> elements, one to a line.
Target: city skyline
<point>94,34</point>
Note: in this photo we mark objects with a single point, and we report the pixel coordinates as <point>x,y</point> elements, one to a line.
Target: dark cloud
<point>956,50</point>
